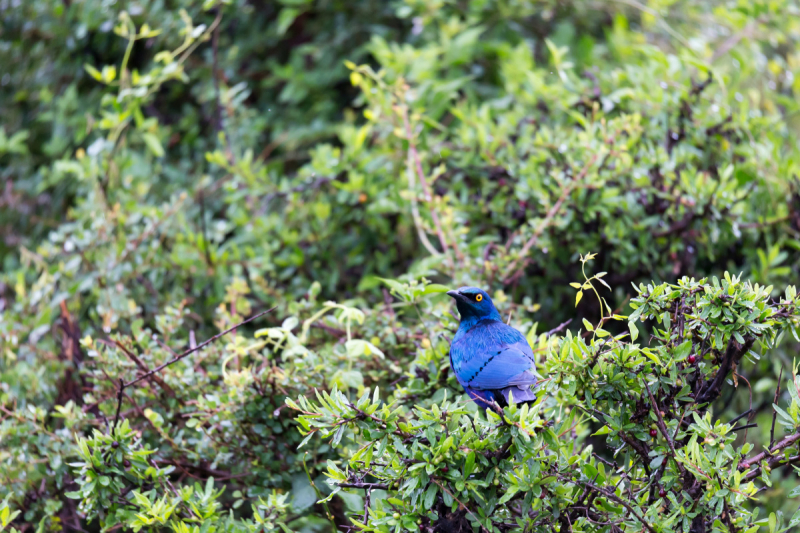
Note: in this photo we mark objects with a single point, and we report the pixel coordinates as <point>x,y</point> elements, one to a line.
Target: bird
<point>490,359</point>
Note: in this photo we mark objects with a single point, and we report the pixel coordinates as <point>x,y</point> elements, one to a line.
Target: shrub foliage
<point>228,227</point>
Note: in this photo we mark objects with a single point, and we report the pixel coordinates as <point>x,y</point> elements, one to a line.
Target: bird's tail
<point>520,394</point>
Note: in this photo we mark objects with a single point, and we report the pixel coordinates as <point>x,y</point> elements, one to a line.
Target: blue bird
<point>489,358</point>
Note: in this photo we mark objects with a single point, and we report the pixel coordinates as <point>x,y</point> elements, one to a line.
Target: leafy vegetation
<point>227,227</point>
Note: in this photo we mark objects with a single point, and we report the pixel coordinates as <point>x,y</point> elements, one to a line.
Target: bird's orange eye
<point>478,298</point>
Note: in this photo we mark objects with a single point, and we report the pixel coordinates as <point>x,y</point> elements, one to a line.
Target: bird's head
<point>474,303</point>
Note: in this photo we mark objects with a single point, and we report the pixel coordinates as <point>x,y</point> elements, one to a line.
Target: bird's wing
<point>493,357</point>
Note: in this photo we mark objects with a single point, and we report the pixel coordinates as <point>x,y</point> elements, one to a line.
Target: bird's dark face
<point>473,303</point>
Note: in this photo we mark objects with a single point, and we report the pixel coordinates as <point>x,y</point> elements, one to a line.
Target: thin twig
<point>416,165</point>
<point>732,422</point>
<point>663,427</point>
<point>359,485</point>
<point>733,40</point>
<point>319,494</point>
<point>510,271</point>
<point>143,367</point>
<point>206,242</point>
<point>558,328</point>
<point>785,443</point>
<point>196,348</point>
<point>617,499</point>
<point>457,500</point>
<point>774,412</point>
<point>733,352</point>
<point>119,403</point>
<point>366,506</point>
<point>123,385</point>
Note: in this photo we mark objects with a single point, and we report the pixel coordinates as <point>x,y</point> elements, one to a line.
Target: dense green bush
<point>174,168</point>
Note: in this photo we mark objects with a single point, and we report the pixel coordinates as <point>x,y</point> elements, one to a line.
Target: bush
<point>324,170</point>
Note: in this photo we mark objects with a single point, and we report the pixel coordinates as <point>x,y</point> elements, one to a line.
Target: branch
<point>558,328</point>
<point>360,485</point>
<point>123,385</point>
<point>444,489</point>
<point>119,403</point>
<point>732,422</point>
<point>733,352</point>
<point>617,499</point>
<point>366,506</point>
<point>663,427</point>
<point>773,459</point>
<point>747,32</point>
<point>196,348</point>
<point>774,412</point>
<point>219,121</point>
<point>510,271</point>
<point>416,164</point>
<point>143,367</point>
<point>639,447</point>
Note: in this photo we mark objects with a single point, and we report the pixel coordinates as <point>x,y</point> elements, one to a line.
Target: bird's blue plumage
<point>489,358</point>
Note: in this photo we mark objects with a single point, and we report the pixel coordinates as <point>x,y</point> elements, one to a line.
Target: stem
<point>510,271</point>
<point>123,68</point>
<point>319,494</point>
<point>416,164</point>
<point>192,350</point>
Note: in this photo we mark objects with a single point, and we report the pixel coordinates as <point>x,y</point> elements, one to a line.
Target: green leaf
<point>93,72</point>
<point>783,414</point>
<point>286,17</point>
<point>469,464</point>
<point>634,331</point>
<point>682,350</point>
<point>433,288</point>
<point>430,494</point>
<point>153,144</point>
<point>510,493</point>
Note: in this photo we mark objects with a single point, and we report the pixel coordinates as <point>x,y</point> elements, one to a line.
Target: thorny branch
<point>123,385</point>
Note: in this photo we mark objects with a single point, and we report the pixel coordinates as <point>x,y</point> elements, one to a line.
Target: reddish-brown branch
<point>123,385</point>
<point>773,460</point>
<point>512,272</point>
<point>662,426</point>
<point>414,157</point>
<point>143,367</point>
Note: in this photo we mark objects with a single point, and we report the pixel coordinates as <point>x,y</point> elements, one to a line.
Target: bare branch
<point>774,412</point>
<point>773,460</point>
<point>558,328</point>
<point>663,427</point>
<point>512,272</point>
<point>733,353</point>
<point>196,348</point>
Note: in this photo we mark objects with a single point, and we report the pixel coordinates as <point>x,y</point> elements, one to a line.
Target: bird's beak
<point>454,294</point>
